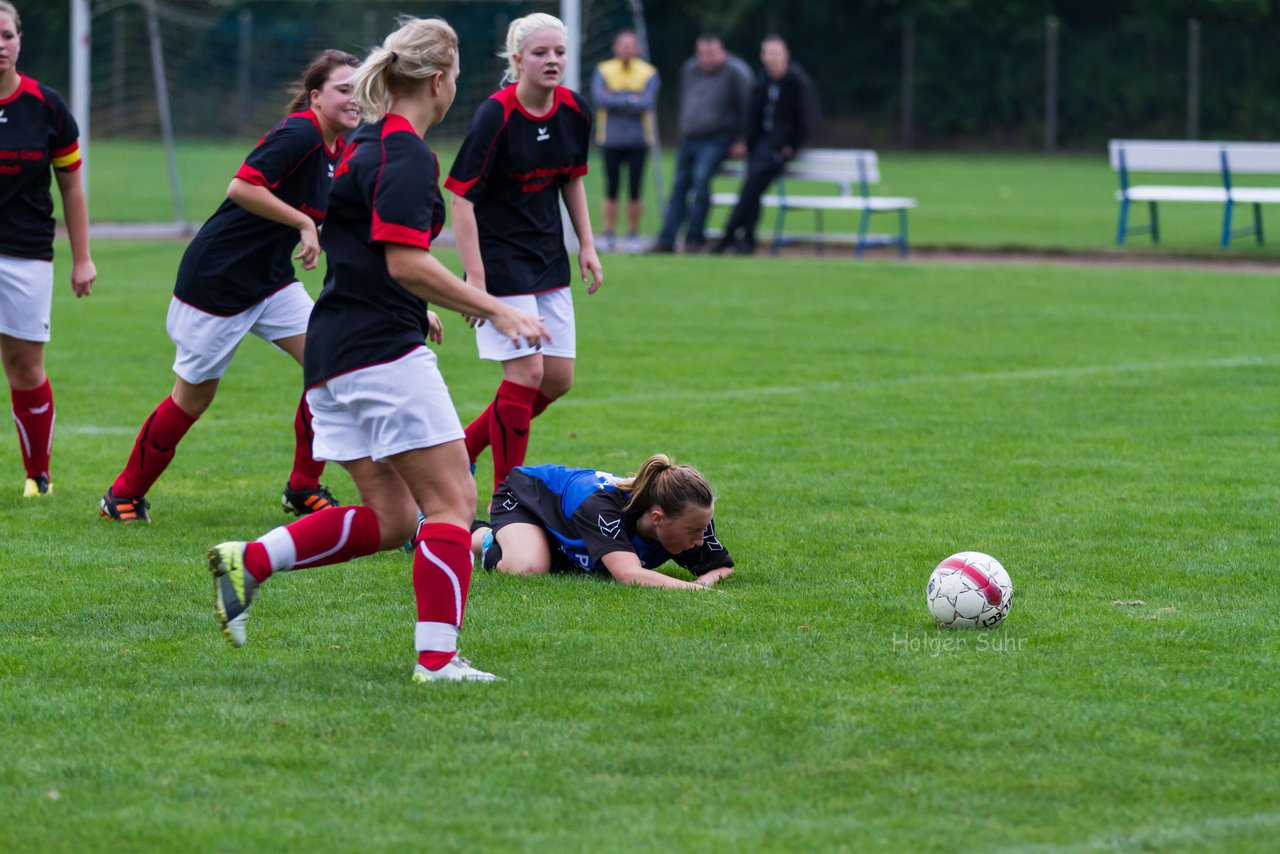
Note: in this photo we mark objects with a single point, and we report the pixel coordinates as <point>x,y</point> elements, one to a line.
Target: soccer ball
<point>969,590</point>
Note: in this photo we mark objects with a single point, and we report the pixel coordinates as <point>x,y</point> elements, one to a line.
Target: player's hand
<point>738,150</point>
<point>83,275</point>
<point>435,329</point>
<point>589,264</point>
<point>309,237</point>
<point>515,324</point>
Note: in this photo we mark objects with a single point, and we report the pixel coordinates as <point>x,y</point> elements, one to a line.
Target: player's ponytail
<point>12,11</point>
<point>518,34</point>
<point>419,49</point>
<point>314,78</point>
<point>661,483</point>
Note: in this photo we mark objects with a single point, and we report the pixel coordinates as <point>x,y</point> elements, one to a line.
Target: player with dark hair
<point>38,136</point>
<point>548,518</point>
<point>237,278</point>
<point>526,149</point>
<point>379,403</point>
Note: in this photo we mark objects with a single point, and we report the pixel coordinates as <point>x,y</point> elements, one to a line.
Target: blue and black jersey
<point>511,166</point>
<point>385,190</point>
<point>37,135</point>
<point>582,511</point>
<point>238,259</point>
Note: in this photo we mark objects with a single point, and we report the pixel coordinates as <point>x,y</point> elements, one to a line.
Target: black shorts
<point>613,160</point>
<point>508,509</point>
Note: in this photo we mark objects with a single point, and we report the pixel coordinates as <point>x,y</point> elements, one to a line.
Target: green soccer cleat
<point>233,589</point>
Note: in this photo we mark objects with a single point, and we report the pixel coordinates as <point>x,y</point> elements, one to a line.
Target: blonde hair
<point>518,35</point>
<point>12,11</point>
<point>671,487</point>
<point>420,48</point>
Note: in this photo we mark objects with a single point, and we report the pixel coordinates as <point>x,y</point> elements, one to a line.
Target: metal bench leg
<point>1123,227</point>
<point>902,232</point>
<point>1226,224</point>
<point>777,230</point>
<point>863,222</point>
<point>1155,224</point>
<point>817,219</point>
<point>1257,222</point>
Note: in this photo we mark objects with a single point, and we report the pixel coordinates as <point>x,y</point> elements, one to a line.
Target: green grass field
<point>982,201</point>
<point>1109,434</point>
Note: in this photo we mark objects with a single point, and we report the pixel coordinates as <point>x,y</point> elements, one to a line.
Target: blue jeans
<point>696,163</point>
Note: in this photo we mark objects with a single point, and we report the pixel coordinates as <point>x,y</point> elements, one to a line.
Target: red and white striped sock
<point>33,415</point>
<point>334,535</point>
<point>441,579</point>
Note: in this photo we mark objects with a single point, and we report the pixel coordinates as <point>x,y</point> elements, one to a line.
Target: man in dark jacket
<point>783,112</point>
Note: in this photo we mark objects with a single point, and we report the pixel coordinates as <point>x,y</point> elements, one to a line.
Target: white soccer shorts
<point>26,296</point>
<point>383,410</point>
<point>556,310</point>
<point>206,342</point>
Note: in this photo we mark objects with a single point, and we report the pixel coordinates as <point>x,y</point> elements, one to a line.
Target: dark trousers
<point>697,161</point>
<point>764,164</point>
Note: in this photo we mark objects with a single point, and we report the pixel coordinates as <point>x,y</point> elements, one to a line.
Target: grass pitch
<point>1109,434</point>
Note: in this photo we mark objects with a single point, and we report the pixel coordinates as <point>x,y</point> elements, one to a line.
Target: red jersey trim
<point>395,123</point>
<point>578,171</point>
<point>27,86</point>
<point>389,232</point>
<point>253,176</point>
<point>459,188</point>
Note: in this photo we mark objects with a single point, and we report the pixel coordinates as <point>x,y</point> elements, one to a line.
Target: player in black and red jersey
<point>380,405</point>
<point>38,135</point>
<point>525,150</point>
<point>237,278</point>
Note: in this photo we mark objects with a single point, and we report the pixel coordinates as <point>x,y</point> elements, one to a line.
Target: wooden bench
<point>852,171</point>
<point>1224,159</point>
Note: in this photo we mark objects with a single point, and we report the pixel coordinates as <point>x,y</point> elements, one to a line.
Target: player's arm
<point>75,212</point>
<point>467,234</point>
<point>575,201</point>
<point>418,271</point>
<point>260,201</point>
<point>625,568</point>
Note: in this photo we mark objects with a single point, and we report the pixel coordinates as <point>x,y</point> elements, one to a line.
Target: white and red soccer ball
<point>969,590</point>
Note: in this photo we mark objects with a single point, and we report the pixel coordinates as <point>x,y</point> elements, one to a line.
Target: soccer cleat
<point>304,502</point>
<point>37,486</point>
<point>457,670</point>
<point>124,509</point>
<point>233,589</point>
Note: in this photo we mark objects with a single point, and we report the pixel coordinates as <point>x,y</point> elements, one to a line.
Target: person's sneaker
<point>304,502</point>
<point>457,670</point>
<point>123,508</point>
<point>408,547</point>
<point>37,486</point>
<point>233,589</point>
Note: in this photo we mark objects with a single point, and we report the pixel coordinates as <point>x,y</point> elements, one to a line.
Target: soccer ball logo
<point>969,590</point>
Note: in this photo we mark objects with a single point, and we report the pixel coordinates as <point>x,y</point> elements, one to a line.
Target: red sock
<point>477,434</point>
<point>154,448</point>
<point>33,415</point>
<point>509,428</point>
<point>540,403</point>
<point>441,579</point>
<point>306,468</point>
<point>478,431</point>
<point>333,535</point>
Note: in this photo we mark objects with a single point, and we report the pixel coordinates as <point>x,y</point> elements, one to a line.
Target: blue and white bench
<point>853,171</point>
<point>1228,160</point>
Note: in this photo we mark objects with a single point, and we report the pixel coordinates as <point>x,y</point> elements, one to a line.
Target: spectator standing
<point>783,112</point>
<point>715,92</point>
<point>625,91</point>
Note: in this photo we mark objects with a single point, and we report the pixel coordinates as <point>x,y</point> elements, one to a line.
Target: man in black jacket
<point>783,112</point>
